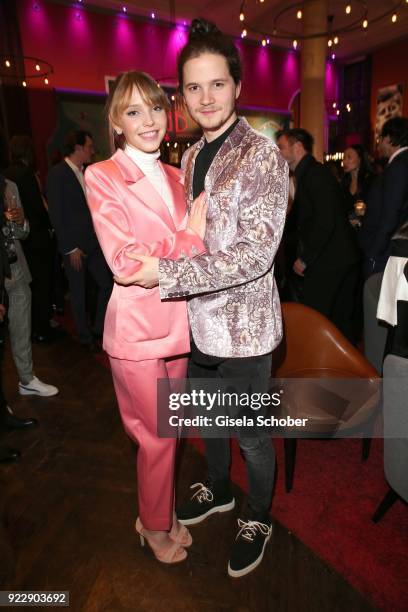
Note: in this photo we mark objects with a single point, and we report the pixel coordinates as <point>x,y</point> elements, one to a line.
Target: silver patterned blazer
<point>235,311</point>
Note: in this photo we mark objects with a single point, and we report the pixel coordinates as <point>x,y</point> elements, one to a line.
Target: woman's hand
<point>197,219</point>
<point>147,276</point>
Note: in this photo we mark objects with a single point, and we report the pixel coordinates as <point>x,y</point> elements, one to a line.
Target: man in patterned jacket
<point>235,313</point>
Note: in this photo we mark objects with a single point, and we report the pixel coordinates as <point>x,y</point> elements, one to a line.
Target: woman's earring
<point>118,131</point>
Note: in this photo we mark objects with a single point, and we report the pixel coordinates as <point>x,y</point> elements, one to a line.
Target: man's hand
<point>16,215</point>
<point>147,276</point>
<point>299,267</point>
<point>2,312</point>
<point>75,259</point>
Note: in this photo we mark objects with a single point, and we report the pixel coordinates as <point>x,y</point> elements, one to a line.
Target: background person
<point>76,236</point>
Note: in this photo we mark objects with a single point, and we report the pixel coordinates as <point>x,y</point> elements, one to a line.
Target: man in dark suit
<point>387,201</point>
<point>327,254</point>
<point>77,240</point>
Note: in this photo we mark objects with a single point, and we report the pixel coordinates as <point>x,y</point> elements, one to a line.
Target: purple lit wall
<point>84,47</point>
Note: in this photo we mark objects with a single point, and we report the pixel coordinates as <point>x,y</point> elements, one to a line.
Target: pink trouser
<point>136,391</point>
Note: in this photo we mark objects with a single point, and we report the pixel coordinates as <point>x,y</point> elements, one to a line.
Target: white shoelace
<point>248,529</point>
<point>203,493</point>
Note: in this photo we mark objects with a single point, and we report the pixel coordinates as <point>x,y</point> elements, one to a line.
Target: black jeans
<point>250,373</point>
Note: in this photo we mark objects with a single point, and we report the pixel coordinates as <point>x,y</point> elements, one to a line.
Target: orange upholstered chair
<point>325,380</point>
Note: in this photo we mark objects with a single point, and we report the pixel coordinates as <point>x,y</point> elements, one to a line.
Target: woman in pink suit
<point>137,203</point>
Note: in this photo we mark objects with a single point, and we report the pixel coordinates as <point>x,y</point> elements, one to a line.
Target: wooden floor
<point>69,507</point>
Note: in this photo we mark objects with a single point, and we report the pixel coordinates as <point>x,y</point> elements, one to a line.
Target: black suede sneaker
<point>249,547</point>
<point>205,501</point>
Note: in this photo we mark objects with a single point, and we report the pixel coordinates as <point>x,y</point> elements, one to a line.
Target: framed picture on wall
<point>266,121</point>
<point>389,104</point>
<point>77,110</point>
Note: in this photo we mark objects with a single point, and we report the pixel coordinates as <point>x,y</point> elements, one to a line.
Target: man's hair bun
<point>201,27</point>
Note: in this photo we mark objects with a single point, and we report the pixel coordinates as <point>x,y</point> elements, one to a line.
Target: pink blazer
<point>129,215</point>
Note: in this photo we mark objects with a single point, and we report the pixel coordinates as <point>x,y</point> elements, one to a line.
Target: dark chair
<point>395,433</point>
<point>328,381</point>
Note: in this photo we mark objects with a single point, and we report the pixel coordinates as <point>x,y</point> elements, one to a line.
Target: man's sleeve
<point>20,231</point>
<point>263,198</point>
<point>61,221</point>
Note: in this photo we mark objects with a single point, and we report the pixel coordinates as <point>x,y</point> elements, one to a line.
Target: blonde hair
<point>121,93</point>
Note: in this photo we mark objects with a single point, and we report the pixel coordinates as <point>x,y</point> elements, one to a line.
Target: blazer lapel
<point>228,150</point>
<point>189,170</point>
<point>141,186</point>
<point>177,192</point>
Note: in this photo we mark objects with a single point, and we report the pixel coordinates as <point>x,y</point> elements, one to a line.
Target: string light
<point>153,15</point>
<point>365,24</point>
<point>334,156</point>
<point>394,18</point>
<point>334,104</point>
<point>124,9</point>
<point>295,44</point>
<point>46,81</point>
<point>263,42</point>
<point>337,112</point>
<point>336,40</point>
<point>348,9</point>
<point>333,56</point>
<point>348,107</point>
<point>330,42</point>
<point>241,16</point>
<point>243,33</point>
<point>299,14</point>
<point>35,67</point>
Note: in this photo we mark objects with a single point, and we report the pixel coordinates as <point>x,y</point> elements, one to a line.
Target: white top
<point>149,165</point>
<point>78,173</point>
<point>394,287</point>
<point>397,152</point>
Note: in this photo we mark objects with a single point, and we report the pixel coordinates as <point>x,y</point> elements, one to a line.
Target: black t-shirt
<point>205,157</point>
